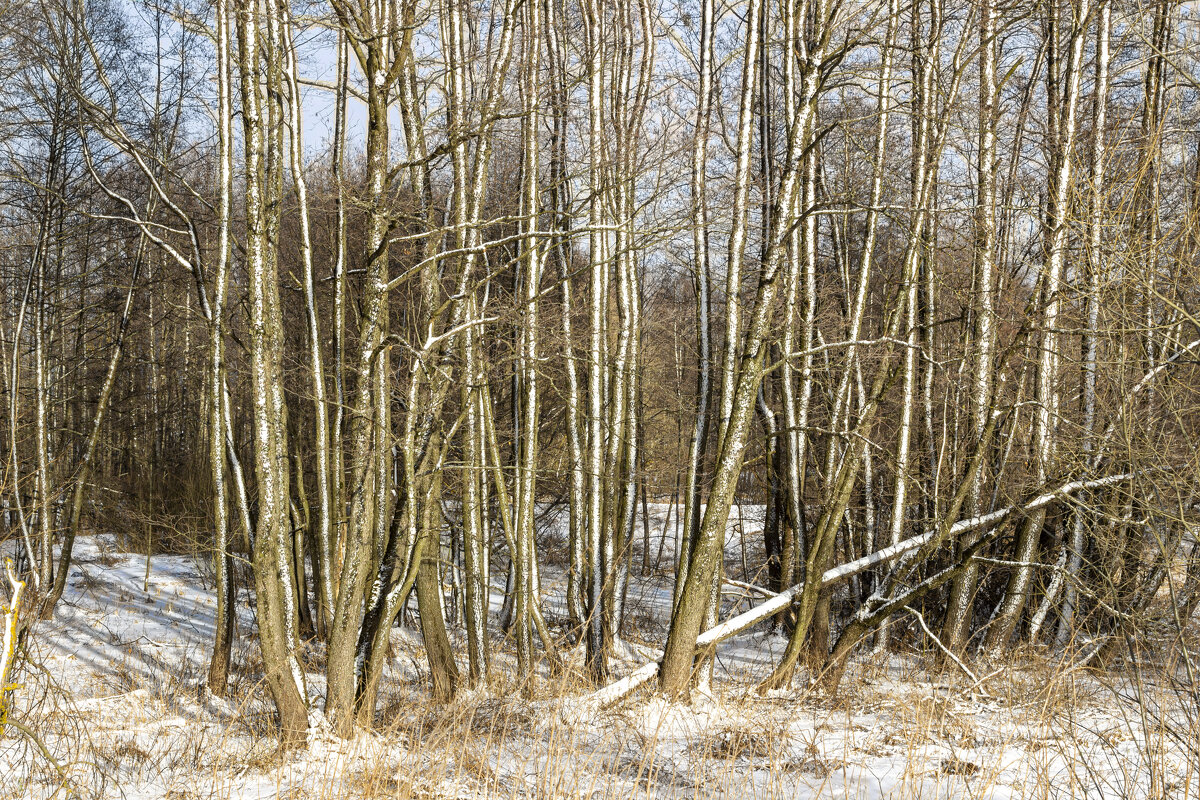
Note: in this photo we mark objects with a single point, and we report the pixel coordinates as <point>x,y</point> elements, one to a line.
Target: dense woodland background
<point>349,297</point>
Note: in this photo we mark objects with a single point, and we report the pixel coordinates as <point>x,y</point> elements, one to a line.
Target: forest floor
<point>115,695</point>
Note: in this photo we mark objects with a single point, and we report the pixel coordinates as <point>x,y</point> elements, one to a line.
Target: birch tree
<point>1048,399</point>
<point>260,47</point>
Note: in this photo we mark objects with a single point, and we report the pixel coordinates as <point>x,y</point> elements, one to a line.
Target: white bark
<point>321,448</point>
<point>1095,278</point>
<point>1046,416</point>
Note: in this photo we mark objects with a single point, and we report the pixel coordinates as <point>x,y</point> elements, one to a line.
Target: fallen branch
<point>949,653</point>
<point>1145,381</point>
<point>614,692</point>
<point>749,587</point>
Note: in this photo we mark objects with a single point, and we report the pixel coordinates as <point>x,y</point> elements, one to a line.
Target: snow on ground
<point>117,697</point>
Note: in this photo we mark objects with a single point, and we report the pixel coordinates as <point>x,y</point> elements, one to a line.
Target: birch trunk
<point>1095,279</point>
<point>962,591</point>
<point>597,350</point>
<point>475,545</point>
<point>526,487</point>
<point>370,36</point>
<point>272,543</point>
<point>561,251</point>
<point>226,589</point>
<point>1020,581</point>
<point>321,444</point>
<point>701,281</point>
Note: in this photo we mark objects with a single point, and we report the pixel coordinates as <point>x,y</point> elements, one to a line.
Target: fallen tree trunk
<point>616,691</point>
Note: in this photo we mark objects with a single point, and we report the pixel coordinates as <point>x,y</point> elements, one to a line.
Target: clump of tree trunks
<point>354,293</point>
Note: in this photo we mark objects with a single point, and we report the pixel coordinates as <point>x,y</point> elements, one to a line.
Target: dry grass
<point>1066,732</point>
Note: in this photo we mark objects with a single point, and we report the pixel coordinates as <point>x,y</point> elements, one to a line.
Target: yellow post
<point>8,654</point>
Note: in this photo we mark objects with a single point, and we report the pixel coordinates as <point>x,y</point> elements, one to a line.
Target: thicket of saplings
<point>380,309</point>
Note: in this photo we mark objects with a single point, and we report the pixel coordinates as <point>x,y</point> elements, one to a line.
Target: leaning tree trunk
<point>706,558</point>
<point>83,471</point>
